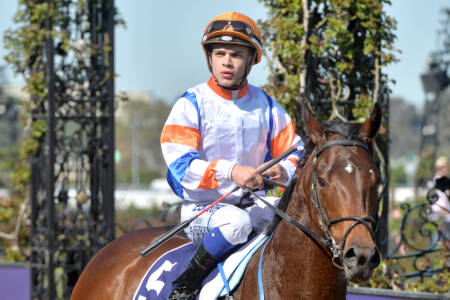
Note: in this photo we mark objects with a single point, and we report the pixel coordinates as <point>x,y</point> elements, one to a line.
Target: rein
<point>324,222</point>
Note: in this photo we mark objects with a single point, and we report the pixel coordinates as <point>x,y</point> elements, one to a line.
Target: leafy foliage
<point>37,23</point>
<point>26,55</point>
<point>413,262</point>
<point>326,53</point>
<point>388,276</point>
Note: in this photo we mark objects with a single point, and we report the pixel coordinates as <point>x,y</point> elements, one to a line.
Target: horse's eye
<point>322,182</point>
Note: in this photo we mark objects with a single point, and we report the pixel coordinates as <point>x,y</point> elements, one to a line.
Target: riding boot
<point>187,285</point>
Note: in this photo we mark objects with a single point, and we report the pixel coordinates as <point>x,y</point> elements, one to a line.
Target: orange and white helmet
<point>233,28</point>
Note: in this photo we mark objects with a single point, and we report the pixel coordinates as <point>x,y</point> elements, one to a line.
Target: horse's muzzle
<point>359,263</point>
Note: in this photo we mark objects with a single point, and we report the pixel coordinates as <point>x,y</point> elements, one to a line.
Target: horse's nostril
<point>361,260</point>
<point>350,253</point>
<point>360,257</point>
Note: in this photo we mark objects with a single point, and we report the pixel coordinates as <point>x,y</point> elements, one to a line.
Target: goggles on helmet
<point>237,26</point>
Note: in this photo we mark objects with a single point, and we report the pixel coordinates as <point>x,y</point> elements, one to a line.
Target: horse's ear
<point>370,127</point>
<point>315,129</point>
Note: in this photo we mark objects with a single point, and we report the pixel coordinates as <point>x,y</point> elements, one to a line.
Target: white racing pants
<point>235,223</point>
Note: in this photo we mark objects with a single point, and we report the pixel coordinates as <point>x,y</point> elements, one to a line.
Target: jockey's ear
<point>315,129</point>
<point>370,127</point>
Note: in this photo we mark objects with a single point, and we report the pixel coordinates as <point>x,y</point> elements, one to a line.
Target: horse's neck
<point>307,271</point>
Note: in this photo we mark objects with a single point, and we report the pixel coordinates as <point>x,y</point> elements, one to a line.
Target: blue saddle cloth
<point>157,282</point>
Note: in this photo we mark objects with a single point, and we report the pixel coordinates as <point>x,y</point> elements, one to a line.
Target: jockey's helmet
<point>233,28</point>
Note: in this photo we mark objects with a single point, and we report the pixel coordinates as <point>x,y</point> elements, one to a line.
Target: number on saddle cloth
<point>157,282</point>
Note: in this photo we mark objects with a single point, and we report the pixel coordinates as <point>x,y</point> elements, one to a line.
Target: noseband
<point>324,222</point>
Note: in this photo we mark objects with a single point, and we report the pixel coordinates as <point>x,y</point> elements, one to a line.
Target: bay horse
<point>333,203</point>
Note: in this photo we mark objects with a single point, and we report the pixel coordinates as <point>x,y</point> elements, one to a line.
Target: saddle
<point>157,282</point>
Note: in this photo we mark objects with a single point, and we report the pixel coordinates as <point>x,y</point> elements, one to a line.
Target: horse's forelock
<point>347,130</point>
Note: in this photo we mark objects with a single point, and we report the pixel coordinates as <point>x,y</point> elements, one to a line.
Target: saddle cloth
<point>157,282</point>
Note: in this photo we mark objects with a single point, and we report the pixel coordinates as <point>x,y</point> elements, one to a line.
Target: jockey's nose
<point>227,62</point>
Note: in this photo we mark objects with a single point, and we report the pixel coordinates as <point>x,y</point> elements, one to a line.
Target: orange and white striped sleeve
<point>180,141</point>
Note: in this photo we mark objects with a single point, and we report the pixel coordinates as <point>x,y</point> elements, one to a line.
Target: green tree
<point>325,52</point>
<point>25,55</point>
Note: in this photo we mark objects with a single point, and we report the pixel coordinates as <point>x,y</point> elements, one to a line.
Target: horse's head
<point>343,191</point>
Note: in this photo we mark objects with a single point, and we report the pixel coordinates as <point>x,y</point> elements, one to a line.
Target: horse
<point>322,239</point>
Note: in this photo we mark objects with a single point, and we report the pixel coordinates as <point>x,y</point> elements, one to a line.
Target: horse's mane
<point>346,130</point>
<point>285,199</point>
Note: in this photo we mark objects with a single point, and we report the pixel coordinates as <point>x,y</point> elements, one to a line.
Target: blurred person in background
<point>439,195</point>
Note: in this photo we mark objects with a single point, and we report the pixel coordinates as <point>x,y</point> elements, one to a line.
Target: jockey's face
<point>228,63</point>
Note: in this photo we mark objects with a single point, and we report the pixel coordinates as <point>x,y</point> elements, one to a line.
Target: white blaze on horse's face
<point>349,168</point>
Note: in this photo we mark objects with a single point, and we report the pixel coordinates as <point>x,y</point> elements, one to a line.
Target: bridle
<point>325,224</point>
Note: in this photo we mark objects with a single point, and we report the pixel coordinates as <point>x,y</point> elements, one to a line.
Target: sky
<point>159,51</point>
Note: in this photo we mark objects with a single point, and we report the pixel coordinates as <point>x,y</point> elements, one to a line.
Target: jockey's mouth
<point>227,75</point>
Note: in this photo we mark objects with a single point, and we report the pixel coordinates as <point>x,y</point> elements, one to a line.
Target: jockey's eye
<point>322,182</point>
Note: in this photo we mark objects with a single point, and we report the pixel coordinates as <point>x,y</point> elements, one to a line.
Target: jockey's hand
<point>276,173</point>
<point>247,177</point>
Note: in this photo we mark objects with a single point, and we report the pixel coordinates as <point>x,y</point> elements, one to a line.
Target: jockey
<point>216,137</point>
